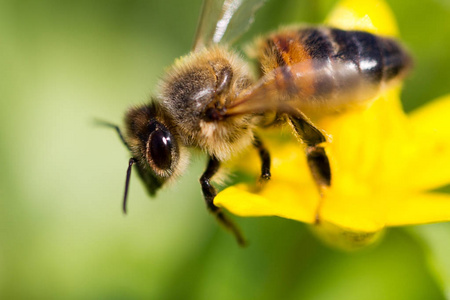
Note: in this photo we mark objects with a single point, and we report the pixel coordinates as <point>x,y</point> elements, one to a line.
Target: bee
<point>210,100</point>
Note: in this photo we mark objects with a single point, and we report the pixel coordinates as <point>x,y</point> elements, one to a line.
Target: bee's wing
<point>224,21</point>
<point>298,86</point>
<point>261,97</point>
<point>278,90</point>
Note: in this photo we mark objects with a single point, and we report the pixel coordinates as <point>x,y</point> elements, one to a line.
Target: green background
<point>62,232</point>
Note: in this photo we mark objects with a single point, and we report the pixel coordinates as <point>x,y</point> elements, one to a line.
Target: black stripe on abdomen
<point>370,56</point>
<point>347,50</point>
<point>319,48</point>
<point>377,58</point>
<point>316,43</point>
<point>396,59</point>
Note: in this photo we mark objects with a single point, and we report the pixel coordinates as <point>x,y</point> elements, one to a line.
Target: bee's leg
<point>265,158</point>
<point>317,159</point>
<point>319,165</point>
<point>209,193</point>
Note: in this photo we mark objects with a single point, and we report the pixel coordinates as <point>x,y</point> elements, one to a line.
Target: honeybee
<point>210,100</point>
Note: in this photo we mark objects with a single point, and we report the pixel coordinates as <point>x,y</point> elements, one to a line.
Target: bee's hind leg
<point>209,193</point>
<point>317,159</point>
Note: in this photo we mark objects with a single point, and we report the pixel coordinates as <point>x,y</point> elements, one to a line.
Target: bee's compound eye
<point>161,146</point>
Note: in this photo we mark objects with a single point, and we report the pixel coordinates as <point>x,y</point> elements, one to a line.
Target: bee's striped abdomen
<point>331,65</point>
<point>378,58</point>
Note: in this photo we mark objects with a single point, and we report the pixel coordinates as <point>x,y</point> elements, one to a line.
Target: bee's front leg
<point>209,193</point>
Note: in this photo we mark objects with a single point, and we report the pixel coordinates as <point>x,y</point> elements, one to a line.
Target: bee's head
<point>154,145</point>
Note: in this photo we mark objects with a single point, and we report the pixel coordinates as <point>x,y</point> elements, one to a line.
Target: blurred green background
<point>62,232</point>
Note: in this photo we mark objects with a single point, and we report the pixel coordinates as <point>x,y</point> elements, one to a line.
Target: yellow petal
<point>355,212</point>
<point>430,126</point>
<point>418,209</point>
<point>370,148</point>
<point>277,199</point>
<point>370,15</point>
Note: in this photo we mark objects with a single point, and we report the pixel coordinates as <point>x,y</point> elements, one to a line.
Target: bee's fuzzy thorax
<point>207,79</point>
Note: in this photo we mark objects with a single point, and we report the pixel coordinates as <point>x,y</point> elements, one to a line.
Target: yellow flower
<point>385,163</point>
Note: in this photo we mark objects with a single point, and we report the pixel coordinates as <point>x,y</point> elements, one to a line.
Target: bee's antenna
<point>114,126</point>
<point>131,162</point>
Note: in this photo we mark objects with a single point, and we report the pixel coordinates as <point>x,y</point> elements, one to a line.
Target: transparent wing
<point>299,86</point>
<point>224,21</point>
